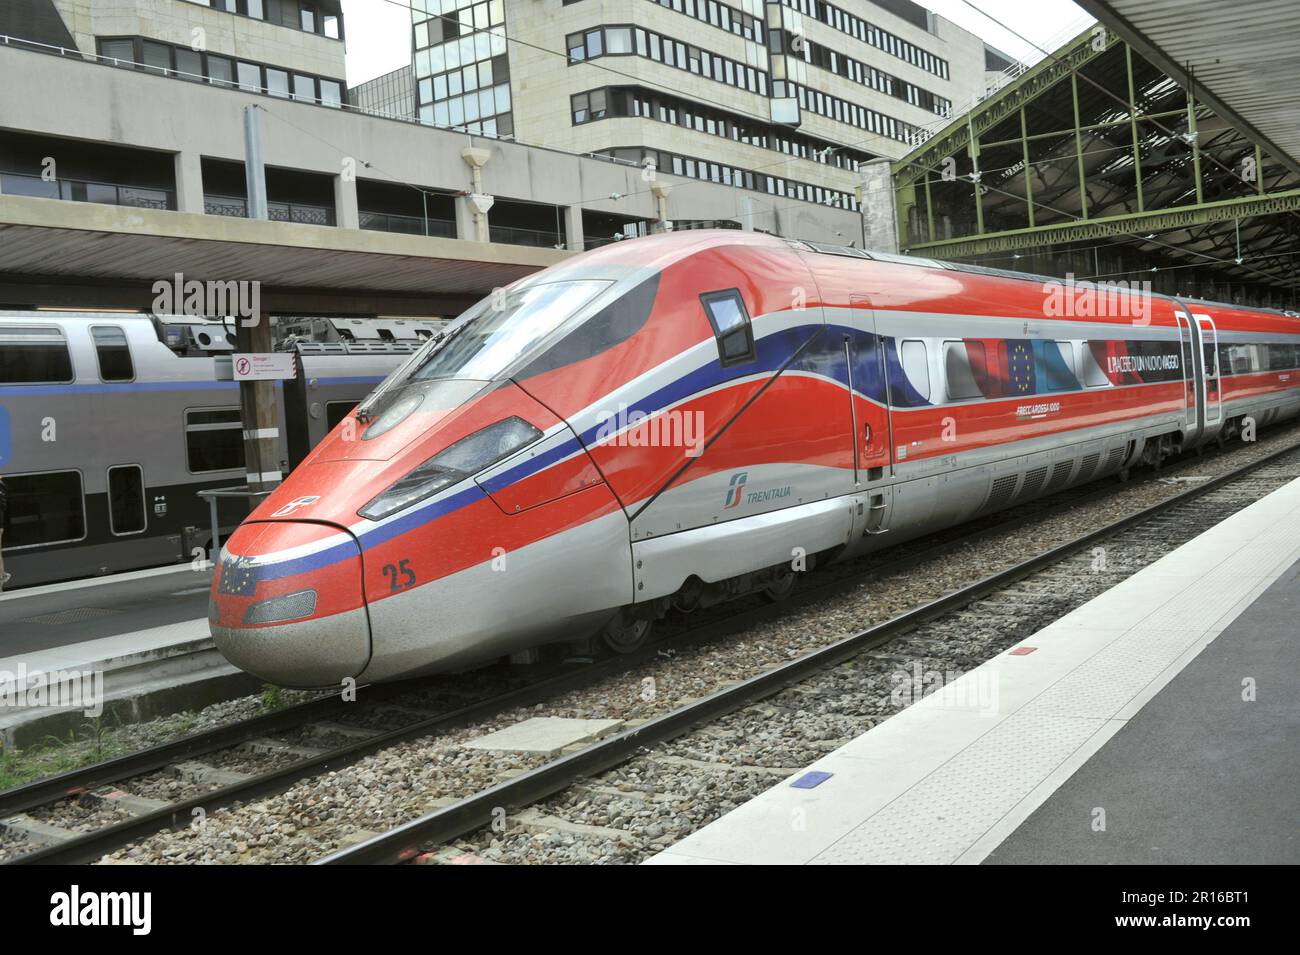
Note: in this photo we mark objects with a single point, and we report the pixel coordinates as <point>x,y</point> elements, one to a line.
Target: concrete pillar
<point>746,212</point>
<point>189,181</point>
<point>259,408</point>
<point>574,238</point>
<point>876,204</point>
<point>466,228</point>
<point>346,213</point>
<point>661,191</point>
<point>477,203</point>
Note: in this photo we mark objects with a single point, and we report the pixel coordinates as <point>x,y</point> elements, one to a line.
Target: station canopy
<point>1103,163</point>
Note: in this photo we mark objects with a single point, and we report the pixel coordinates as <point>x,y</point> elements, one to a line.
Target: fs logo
<point>295,504</point>
<point>737,489</point>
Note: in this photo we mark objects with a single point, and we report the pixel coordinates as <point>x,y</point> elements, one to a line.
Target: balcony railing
<point>237,207</point>
<point>408,225</point>
<point>513,235</point>
<point>86,190</point>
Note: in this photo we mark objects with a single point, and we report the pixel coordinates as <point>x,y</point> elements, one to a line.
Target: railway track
<point>289,740</point>
<point>1050,583</point>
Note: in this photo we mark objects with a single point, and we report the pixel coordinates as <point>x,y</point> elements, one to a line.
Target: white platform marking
<point>941,782</point>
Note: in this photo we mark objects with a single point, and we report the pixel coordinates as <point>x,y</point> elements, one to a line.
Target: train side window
<point>957,369</point>
<point>44,508</point>
<point>113,352</point>
<point>916,367</point>
<point>1067,355</point>
<point>336,411</point>
<point>1093,375</point>
<point>126,510</point>
<point>214,439</point>
<point>731,326</point>
<point>34,354</point>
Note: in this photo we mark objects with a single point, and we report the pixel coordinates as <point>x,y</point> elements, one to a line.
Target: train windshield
<point>503,328</point>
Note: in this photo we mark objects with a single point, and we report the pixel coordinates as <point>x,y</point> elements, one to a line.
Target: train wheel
<point>782,585</point>
<point>625,634</point>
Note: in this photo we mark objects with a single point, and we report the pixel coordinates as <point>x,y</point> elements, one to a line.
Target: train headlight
<point>467,456</point>
<point>286,607</point>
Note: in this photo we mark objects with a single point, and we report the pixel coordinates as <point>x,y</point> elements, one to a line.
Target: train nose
<point>287,604</point>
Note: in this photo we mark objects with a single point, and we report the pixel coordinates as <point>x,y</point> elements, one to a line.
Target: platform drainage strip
<point>74,615</point>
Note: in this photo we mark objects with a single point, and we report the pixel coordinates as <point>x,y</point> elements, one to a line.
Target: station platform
<point>1158,723</point>
<point>144,632</point>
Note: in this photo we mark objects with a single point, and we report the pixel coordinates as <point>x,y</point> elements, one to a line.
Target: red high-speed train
<point>674,419</point>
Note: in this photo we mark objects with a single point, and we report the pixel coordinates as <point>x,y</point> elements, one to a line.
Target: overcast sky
<point>379,36</point>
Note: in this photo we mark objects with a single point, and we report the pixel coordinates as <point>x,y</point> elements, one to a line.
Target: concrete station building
<point>534,128</point>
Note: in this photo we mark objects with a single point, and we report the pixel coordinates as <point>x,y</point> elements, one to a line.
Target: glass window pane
<point>126,511</point>
<point>250,77</point>
<point>33,354</point>
<point>189,64</point>
<point>123,50</point>
<point>304,87</point>
<point>218,70</point>
<point>157,57</point>
<point>113,353</point>
<point>44,509</point>
<point>214,440</point>
<point>277,82</point>
<point>331,93</point>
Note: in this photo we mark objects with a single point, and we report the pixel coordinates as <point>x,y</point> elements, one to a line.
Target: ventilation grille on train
<point>1002,490</point>
<point>1089,466</point>
<point>1060,476</point>
<point>1113,458</point>
<point>1033,483</point>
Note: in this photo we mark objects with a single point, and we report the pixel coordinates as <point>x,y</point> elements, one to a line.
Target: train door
<point>1212,391</point>
<point>1187,343</point>
<point>870,421</point>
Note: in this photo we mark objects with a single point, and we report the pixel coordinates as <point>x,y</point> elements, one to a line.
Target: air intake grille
<point>1060,475</point>
<point>1033,483</point>
<point>1089,467</point>
<point>1002,490</point>
<point>1113,457</point>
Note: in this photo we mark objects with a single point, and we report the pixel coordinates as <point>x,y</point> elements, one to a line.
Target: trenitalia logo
<point>736,491</point>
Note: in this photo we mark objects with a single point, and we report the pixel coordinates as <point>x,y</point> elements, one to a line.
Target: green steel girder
<point>1108,226</point>
<point>1004,103</point>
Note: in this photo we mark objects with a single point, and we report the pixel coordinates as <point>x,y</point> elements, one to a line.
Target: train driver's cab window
<point>214,439</point>
<point>731,327</point>
<point>113,353</point>
<point>1093,374</point>
<point>957,361</point>
<point>916,367</point>
<point>126,507</point>
<point>44,508</point>
<point>33,354</point>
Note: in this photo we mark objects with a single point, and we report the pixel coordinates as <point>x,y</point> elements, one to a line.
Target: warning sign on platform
<point>263,366</point>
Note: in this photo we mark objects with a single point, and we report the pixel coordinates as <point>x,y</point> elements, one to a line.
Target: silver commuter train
<point>111,422</point>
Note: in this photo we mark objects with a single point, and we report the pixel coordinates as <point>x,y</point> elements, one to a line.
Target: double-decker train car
<point>673,420</point>
<point>111,422</point>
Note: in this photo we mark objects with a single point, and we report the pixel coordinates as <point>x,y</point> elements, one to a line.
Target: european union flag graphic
<point>1020,368</point>
<point>238,577</point>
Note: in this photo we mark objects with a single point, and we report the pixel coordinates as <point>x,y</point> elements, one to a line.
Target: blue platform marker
<point>811,780</point>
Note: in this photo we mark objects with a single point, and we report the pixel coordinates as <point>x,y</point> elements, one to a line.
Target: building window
<point>214,440</point>
<point>277,82</point>
<point>220,70</point>
<point>44,509</point>
<point>126,507</point>
<point>33,354</point>
<point>113,353</point>
<point>156,57</point>
<point>121,51</point>
<point>331,93</point>
<point>250,77</point>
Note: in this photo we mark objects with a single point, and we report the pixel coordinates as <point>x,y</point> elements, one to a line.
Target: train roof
<point>828,249</point>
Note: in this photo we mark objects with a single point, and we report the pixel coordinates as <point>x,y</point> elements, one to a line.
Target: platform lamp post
<point>257,399</point>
